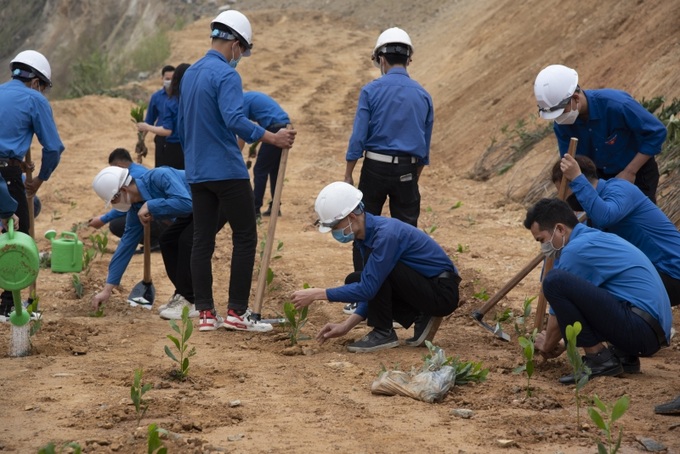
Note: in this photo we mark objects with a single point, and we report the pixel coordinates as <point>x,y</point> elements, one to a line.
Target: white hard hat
<point>334,203</point>
<point>553,88</point>
<point>109,180</point>
<point>239,24</point>
<point>37,62</point>
<point>392,41</point>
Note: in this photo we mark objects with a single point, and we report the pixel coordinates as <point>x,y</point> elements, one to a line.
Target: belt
<point>449,275</point>
<point>391,159</point>
<point>10,162</point>
<point>654,323</point>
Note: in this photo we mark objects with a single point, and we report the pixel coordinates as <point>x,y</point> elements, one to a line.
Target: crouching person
<point>408,277</point>
<point>606,284</point>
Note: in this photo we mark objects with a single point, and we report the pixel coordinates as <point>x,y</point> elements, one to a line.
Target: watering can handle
<point>73,236</point>
<point>10,228</point>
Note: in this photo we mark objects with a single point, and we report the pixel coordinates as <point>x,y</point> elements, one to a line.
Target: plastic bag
<point>428,386</point>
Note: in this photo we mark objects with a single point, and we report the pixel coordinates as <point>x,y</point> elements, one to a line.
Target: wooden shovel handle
<point>147,253</point>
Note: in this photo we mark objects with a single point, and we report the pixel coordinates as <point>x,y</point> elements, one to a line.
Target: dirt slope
<point>478,59</point>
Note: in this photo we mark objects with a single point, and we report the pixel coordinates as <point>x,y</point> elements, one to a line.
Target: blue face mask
<point>234,61</point>
<point>340,236</point>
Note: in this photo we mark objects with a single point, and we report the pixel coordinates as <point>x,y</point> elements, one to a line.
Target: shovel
<point>144,293</point>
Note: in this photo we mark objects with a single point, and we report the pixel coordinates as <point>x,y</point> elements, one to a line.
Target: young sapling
<point>181,343</point>
<point>137,391</point>
<point>605,418</point>
<point>580,370</point>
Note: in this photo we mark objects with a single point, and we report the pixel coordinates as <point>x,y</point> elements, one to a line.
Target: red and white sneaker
<point>207,321</point>
<point>245,323</point>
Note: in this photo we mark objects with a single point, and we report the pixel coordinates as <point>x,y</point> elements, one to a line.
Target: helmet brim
<point>551,115</point>
<point>324,229</point>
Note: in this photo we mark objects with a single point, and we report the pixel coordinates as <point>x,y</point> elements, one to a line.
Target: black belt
<point>654,323</point>
<point>10,162</point>
<point>449,275</point>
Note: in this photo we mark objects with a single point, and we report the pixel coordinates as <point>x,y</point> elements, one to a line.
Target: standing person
<point>160,193</point>
<point>266,112</point>
<point>120,157</point>
<point>612,128</point>
<point>172,154</point>
<point>25,112</point>
<point>210,119</point>
<point>407,278</point>
<point>619,207</point>
<point>154,113</point>
<point>606,284</point>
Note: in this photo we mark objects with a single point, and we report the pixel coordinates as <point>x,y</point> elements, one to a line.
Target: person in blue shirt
<point>619,207</point>
<point>116,219</point>
<point>154,113</point>
<point>612,128</point>
<point>408,277</point>
<point>606,284</point>
<point>26,112</point>
<point>171,154</point>
<point>210,117</point>
<point>266,112</point>
<point>160,193</point>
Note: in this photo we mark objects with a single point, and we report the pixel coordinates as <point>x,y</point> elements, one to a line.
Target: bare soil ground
<point>478,59</point>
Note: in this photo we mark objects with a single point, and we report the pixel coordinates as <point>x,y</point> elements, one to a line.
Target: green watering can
<point>67,252</point>
<point>19,267</point>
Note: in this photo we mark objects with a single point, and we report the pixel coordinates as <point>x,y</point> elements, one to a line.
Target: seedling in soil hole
<point>184,332</point>
<point>578,367</point>
<point>99,312</point>
<point>527,344</point>
<point>137,391</point>
<point>50,448</point>
<point>36,320</point>
<point>153,439</point>
<point>77,285</point>
<point>295,320</point>
<point>520,322</point>
<point>611,414</point>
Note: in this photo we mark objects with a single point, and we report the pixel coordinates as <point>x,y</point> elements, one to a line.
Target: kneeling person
<point>408,277</point>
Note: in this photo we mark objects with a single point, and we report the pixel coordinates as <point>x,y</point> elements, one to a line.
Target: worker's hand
<point>27,166</point>
<point>569,167</point>
<point>143,127</point>
<point>284,138</point>
<point>144,214</point>
<point>101,297</point>
<point>349,180</point>
<point>627,175</point>
<point>33,186</point>
<point>305,297</point>
<point>96,222</point>
<point>5,222</point>
<point>331,330</point>
<point>546,351</point>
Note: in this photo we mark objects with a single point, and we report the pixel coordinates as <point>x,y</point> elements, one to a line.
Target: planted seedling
<point>137,391</point>
<point>481,295</point>
<point>180,342</point>
<point>580,370</point>
<point>458,204</point>
<point>77,285</point>
<point>50,448</point>
<point>520,322</point>
<point>462,248</point>
<point>527,345</point>
<point>431,229</point>
<point>99,312</point>
<point>153,438</point>
<point>605,418</point>
<point>295,320</point>
<point>465,371</point>
<point>35,314</point>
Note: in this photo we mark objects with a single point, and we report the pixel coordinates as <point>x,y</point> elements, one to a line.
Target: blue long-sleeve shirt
<point>25,112</point>
<point>136,171</point>
<point>167,196</point>
<point>7,203</point>
<point>154,112</point>
<point>210,116</point>
<point>395,115</point>
<point>263,110</point>
<point>619,207</point>
<point>613,264</point>
<point>169,119</point>
<point>617,128</point>
<point>390,241</point>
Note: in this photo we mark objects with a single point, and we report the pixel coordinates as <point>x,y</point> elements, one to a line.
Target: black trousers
<point>176,243</point>
<point>216,203</point>
<point>672,288</point>
<point>15,184</point>
<point>159,141</point>
<point>266,166</point>
<point>117,227</point>
<point>647,178</point>
<point>171,155</point>
<point>406,294</point>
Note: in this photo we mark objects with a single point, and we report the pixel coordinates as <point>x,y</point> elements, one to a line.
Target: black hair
<point>177,79</point>
<point>549,212</point>
<point>166,69</point>
<point>120,154</point>
<point>396,59</point>
<point>586,164</point>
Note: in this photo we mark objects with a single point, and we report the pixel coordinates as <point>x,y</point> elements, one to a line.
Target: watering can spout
<point>19,316</point>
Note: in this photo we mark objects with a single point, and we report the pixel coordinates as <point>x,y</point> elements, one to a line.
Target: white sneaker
<point>174,311</point>
<point>140,302</point>
<point>171,302</point>
<point>349,308</point>
<point>245,323</point>
<point>208,321</point>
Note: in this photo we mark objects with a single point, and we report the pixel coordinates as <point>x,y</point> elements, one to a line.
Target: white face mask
<point>547,248</point>
<point>568,118</point>
<point>166,83</point>
<point>124,203</point>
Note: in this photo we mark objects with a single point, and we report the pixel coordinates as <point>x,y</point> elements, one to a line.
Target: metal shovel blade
<point>497,331</point>
<point>143,293</point>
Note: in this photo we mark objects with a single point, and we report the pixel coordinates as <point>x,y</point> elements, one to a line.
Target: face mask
<point>339,234</point>
<point>568,118</point>
<point>547,248</point>
<point>166,83</point>
<point>233,62</point>
<point>124,203</point>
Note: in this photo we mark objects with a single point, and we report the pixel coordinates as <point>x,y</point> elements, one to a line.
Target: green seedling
<point>462,248</point>
<point>527,345</point>
<point>465,371</point>
<point>430,230</point>
<point>180,342</point>
<point>137,391</point>
<point>99,312</point>
<point>481,295</point>
<point>77,285</point>
<point>605,418</point>
<point>295,320</point>
<point>88,256</point>
<point>100,241</point>
<point>71,447</point>
<point>137,114</point>
<point>579,368</point>
<point>457,205</point>
<point>36,320</point>
<point>520,321</point>
<point>154,443</point>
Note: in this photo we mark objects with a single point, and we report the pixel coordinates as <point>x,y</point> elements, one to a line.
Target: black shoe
<point>374,341</point>
<point>669,408</point>
<point>602,363</point>
<point>268,212</point>
<point>424,329</point>
<point>154,247</point>
<point>630,363</point>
